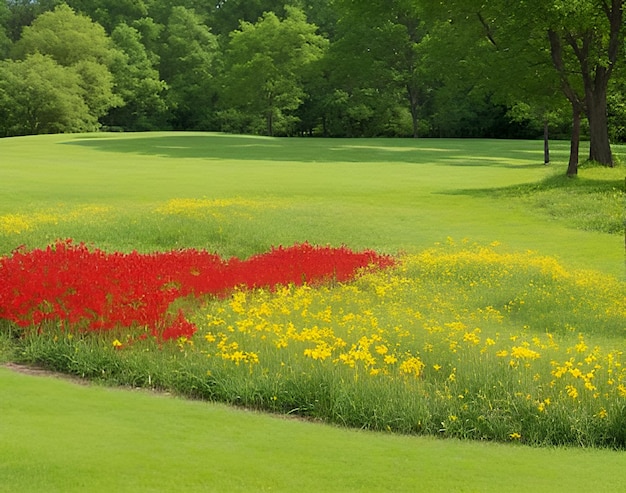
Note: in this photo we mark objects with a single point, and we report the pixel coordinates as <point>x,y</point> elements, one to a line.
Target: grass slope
<point>389,195</point>
<point>59,436</point>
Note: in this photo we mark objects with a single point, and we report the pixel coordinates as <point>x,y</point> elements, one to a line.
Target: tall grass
<point>458,341</point>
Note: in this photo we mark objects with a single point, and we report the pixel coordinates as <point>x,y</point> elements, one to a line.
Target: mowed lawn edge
<point>93,438</point>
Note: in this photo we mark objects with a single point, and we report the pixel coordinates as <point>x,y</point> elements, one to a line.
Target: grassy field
<point>239,195</point>
<point>399,195</point>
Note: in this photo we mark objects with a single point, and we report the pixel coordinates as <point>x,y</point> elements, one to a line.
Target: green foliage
<point>137,82</point>
<point>5,42</point>
<point>67,37</point>
<point>398,68</point>
<point>111,13</point>
<point>82,48</point>
<point>189,61</point>
<point>37,95</point>
<point>266,63</point>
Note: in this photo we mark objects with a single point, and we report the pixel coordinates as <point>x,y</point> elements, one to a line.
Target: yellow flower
<point>382,349</point>
<point>116,343</point>
<point>472,337</point>
<point>590,386</point>
<point>581,347</point>
<point>412,366</point>
<point>575,372</point>
<point>390,359</point>
<point>522,352</point>
<point>515,436</point>
<point>571,391</point>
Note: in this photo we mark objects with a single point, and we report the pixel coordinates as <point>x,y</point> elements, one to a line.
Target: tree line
<point>337,68</point>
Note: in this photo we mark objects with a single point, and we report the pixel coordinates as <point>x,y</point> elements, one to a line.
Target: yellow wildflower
<point>390,359</point>
<point>522,352</point>
<point>412,366</point>
<point>571,391</point>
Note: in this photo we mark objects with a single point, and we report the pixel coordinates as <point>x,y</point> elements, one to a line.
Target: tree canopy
<point>411,68</point>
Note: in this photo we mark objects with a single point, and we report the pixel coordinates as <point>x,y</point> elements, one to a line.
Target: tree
<point>67,37</point>
<point>266,63</point>
<point>137,82</point>
<point>37,95</point>
<point>22,13</point>
<point>228,15</point>
<point>110,13</point>
<point>188,64</point>
<point>392,42</point>
<point>616,100</point>
<point>5,42</point>
<point>586,36</point>
<point>583,41</point>
<point>74,41</point>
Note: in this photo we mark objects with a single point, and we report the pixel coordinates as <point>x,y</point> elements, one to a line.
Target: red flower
<point>92,290</point>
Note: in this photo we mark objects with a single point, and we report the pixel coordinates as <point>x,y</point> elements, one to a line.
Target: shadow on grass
<point>558,182</point>
<point>582,203</point>
<point>318,150</point>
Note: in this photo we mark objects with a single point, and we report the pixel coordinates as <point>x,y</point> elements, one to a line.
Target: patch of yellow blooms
<point>394,325</point>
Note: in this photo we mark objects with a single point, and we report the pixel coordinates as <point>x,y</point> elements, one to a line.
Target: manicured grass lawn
<point>388,195</point>
<point>239,195</point>
<point>60,436</point>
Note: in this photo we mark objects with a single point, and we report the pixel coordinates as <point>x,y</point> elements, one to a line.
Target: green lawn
<point>238,195</point>
<point>58,436</point>
<point>389,195</point>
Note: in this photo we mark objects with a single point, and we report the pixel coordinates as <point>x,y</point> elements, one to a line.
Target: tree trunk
<point>572,166</point>
<point>270,123</point>
<point>599,145</point>
<point>556,50</point>
<point>546,143</point>
<point>597,53</point>
<point>414,107</point>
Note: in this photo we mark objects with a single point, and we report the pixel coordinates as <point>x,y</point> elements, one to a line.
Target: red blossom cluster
<point>89,289</point>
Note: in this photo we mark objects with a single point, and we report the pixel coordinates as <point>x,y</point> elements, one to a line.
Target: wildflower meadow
<point>481,338</point>
<point>460,340</point>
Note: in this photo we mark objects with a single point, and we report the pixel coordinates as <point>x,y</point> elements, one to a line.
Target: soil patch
<point>38,371</point>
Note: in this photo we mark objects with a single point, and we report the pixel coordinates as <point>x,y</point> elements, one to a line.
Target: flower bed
<point>92,290</point>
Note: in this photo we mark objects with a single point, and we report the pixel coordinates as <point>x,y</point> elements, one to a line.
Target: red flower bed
<point>90,289</point>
